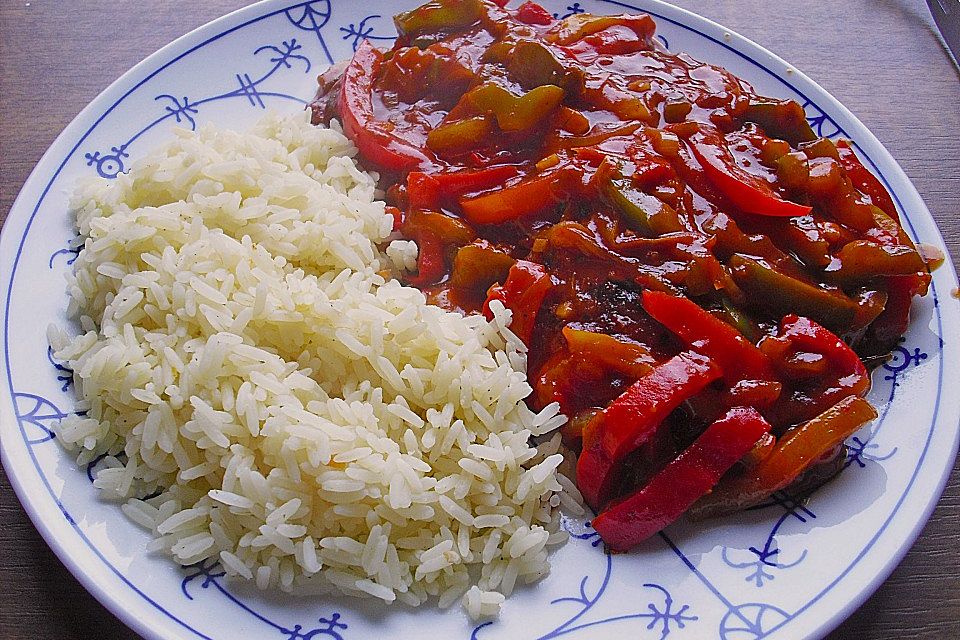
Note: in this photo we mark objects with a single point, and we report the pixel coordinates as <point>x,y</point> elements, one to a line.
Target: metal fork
<point>946,13</point>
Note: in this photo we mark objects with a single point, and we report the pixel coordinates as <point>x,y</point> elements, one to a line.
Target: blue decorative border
<point>283,56</point>
<point>767,558</point>
<point>313,17</point>
<point>357,33</point>
<point>209,574</point>
<point>664,616</point>
<point>755,619</point>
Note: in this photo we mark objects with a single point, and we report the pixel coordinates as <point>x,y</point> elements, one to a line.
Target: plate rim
<point>92,114</point>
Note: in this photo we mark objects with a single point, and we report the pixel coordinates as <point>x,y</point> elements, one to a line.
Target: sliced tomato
<point>376,144</point>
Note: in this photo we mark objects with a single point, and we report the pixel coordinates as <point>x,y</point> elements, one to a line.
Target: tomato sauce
<point>577,172</point>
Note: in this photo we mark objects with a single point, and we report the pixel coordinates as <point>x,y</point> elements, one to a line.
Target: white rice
<point>298,415</point>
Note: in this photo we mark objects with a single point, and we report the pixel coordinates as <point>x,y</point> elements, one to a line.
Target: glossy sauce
<point>613,195</point>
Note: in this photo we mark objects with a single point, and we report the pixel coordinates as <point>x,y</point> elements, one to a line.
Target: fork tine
<point>946,7</point>
<point>946,15</point>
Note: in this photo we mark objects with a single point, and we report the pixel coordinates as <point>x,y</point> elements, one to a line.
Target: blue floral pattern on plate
<point>284,56</point>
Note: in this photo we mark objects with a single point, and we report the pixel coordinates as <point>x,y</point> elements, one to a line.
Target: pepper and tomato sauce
<point>697,275</point>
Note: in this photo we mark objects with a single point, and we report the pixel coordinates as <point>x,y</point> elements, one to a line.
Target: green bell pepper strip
<point>579,26</point>
<point>794,453</point>
<point>860,261</point>
<point>804,238</point>
<point>515,113</point>
<point>682,482</point>
<point>742,322</point>
<point>645,213</point>
<point>820,148</point>
<point>375,144</point>
<point>633,419</point>
<point>793,171</point>
<point>752,393</point>
<point>447,229</point>
<point>477,267</point>
<point>776,294</point>
<point>784,119</point>
<point>748,192</point>
<point>438,16</point>
<point>627,358</point>
<point>459,136</point>
<point>704,333</point>
<point>886,229</point>
<point>801,236</point>
<point>523,292</point>
<point>532,64</point>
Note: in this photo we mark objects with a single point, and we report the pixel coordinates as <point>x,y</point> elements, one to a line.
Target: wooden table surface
<point>881,58</point>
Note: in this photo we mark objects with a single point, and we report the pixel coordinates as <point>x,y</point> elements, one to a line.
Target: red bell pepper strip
<point>807,335</point>
<point>533,13</point>
<point>865,182</point>
<point>705,333</point>
<point>748,192</point>
<point>632,420</point>
<point>556,382</point>
<point>520,199</point>
<point>694,473</point>
<point>397,216</point>
<point>523,292</point>
<point>430,265</point>
<point>423,191</point>
<point>793,454</point>
<point>427,191</point>
<point>374,142</point>
<point>843,372</point>
<point>461,182</point>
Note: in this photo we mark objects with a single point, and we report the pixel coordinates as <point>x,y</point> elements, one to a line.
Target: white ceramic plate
<point>783,571</point>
